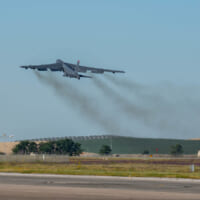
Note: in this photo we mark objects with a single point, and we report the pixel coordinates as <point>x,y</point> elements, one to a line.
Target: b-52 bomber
<point>70,70</point>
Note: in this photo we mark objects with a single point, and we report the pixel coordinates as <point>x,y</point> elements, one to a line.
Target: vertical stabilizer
<point>77,65</point>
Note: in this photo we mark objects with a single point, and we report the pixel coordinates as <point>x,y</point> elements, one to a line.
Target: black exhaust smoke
<point>81,102</point>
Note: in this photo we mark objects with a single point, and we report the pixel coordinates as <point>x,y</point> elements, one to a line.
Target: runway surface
<point>27,186</point>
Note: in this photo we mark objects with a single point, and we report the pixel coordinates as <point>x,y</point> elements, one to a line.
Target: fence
<point>35,158</point>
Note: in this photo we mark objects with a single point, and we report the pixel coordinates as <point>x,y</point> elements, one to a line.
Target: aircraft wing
<point>92,69</point>
<point>52,67</point>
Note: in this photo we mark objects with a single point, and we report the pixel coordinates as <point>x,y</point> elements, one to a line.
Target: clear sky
<point>153,41</point>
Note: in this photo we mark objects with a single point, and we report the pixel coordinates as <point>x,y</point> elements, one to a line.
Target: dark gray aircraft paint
<point>70,70</point>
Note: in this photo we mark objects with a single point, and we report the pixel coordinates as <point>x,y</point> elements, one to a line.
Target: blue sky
<point>153,41</point>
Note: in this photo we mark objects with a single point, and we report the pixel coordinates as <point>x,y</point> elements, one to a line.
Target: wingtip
<point>23,67</point>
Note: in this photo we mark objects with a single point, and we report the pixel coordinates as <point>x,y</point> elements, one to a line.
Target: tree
<point>25,147</point>
<point>46,147</point>
<point>105,150</point>
<point>32,147</point>
<point>64,146</point>
<point>77,149</point>
<point>176,149</point>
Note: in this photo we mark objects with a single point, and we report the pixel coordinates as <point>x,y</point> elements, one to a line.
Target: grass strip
<point>111,169</point>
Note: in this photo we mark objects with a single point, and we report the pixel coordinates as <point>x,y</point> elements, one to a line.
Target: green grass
<point>128,170</point>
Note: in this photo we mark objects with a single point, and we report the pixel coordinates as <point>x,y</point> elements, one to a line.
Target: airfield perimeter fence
<point>43,158</point>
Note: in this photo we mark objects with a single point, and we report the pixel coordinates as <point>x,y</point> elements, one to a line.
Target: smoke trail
<point>127,84</point>
<point>177,116</point>
<point>140,91</point>
<point>122,103</point>
<point>146,95</point>
<point>172,109</point>
<point>70,94</point>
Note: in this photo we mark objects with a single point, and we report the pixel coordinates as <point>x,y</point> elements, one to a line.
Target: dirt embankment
<point>6,147</point>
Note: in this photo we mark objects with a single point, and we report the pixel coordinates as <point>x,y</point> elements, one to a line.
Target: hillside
<point>121,145</point>
<point>130,145</point>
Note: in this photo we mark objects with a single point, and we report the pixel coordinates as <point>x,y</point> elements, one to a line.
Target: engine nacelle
<point>71,75</point>
<point>97,71</point>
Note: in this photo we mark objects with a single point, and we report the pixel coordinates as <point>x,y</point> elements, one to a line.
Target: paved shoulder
<point>44,186</point>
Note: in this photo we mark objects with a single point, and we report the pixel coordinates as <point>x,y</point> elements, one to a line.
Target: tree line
<point>63,146</point>
<point>71,148</point>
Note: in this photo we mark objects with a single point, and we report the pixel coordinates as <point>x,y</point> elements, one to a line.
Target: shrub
<point>105,150</point>
<point>176,149</point>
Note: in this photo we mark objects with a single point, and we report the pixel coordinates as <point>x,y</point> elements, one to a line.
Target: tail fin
<point>78,62</point>
<point>77,65</point>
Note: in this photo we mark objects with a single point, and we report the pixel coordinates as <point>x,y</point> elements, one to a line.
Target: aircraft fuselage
<point>68,71</point>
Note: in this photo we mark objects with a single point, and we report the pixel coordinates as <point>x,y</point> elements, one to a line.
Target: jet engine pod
<point>97,71</point>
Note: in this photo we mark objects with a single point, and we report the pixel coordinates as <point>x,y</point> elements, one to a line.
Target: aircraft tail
<point>77,65</point>
<point>78,62</point>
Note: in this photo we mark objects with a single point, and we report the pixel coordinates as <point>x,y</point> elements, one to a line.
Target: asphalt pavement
<point>35,186</point>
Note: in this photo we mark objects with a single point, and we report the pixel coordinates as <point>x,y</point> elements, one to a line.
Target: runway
<point>27,186</point>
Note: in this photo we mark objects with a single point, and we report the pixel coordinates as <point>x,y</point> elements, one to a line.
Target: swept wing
<point>52,67</point>
<point>84,69</point>
<point>70,70</point>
